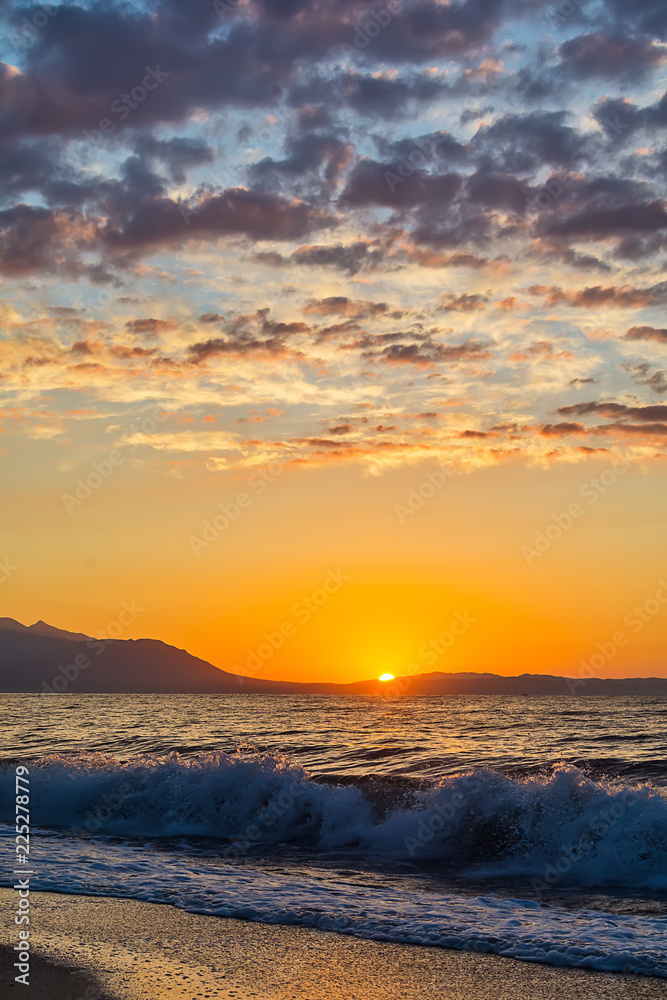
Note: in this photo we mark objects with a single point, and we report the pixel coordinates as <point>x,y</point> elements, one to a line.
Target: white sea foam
<point>546,827</point>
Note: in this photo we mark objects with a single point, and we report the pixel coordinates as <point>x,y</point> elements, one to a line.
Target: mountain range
<point>42,658</point>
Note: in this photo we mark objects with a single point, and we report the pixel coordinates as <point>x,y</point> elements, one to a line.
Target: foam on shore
<point>139,951</point>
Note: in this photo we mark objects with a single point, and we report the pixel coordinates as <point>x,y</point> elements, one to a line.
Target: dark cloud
<point>562,429</point>
<point>524,142</point>
<point>386,96</point>
<point>649,16</point>
<point>238,211</point>
<point>610,56</point>
<point>623,297</point>
<point>654,380</point>
<point>148,327</point>
<point>256,336</point>
<point>635,430</point>
<point>647,333</point>
<point>393,186</point>
<point>621,118</point>
<point>24,167</point>
<point>657,382</point>
<point>247,347</point>
<point>427,353</point>
<point>616,411</point>
<point>341,305</point>
<point>309,153</point>
<point>350,258</point>
<point>462,303</point>
<point>498,191</point>
<point>431,147</point>
<point>601,223</point>
<point>177,154</point>
<point>38,239</point>
<point>84,60</point>
<point>85,64</point>
<point>314,116</point>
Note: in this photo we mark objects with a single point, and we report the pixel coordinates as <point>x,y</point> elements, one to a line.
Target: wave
<point>563,827</point>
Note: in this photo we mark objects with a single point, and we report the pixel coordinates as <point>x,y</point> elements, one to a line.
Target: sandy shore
<point>50,981</point>
<point>112,949</point>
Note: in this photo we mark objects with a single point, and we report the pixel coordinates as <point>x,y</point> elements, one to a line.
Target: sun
<point>386,677</point>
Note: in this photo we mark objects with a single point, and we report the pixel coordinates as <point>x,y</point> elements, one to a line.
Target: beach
<point>116,949</point>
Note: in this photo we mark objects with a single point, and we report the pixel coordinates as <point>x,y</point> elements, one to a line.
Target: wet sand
<point>115,949</point>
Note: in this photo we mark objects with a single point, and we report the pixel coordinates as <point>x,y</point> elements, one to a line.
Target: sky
<point>333,334</point>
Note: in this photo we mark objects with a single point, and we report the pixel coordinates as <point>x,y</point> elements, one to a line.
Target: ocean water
<point>526,827</point>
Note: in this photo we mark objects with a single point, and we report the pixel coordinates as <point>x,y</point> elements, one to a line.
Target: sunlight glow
<point>386,677</point>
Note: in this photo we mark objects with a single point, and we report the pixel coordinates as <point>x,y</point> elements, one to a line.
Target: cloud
<point>309,153</point>
<point>601,223</point>
<point>257,215</point>
<point>623,297</point>
<point>563,429</point>
<point>523,142</point>
<point>647,16</point>
<point>39,239</point>
<point>462,303</point>
<point>617,411</point>
<point>655,380</point>
<point>177,154</point>
<point>646,333</point>
<point>428,354</point>
<point>610,56</point>
<point>149,327</point>
<point>385,184</point>
<point>383,95</point>
<point>341,305</point>
<point>185,441</point>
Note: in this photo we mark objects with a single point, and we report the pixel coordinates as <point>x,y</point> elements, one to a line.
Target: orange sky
<point>396,580</point>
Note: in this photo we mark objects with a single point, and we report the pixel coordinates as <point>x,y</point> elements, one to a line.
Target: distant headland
<point>40,658</point>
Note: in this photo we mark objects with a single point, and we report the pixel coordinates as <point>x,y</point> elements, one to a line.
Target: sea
<point>528,827</point>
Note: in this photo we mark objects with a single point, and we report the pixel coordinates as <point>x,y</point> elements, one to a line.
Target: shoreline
<point>104,948</point>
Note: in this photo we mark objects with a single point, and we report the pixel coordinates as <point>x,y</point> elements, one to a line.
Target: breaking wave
<point>562,825</point>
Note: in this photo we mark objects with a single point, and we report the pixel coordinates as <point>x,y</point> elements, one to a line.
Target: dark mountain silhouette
<point>41,658</point>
